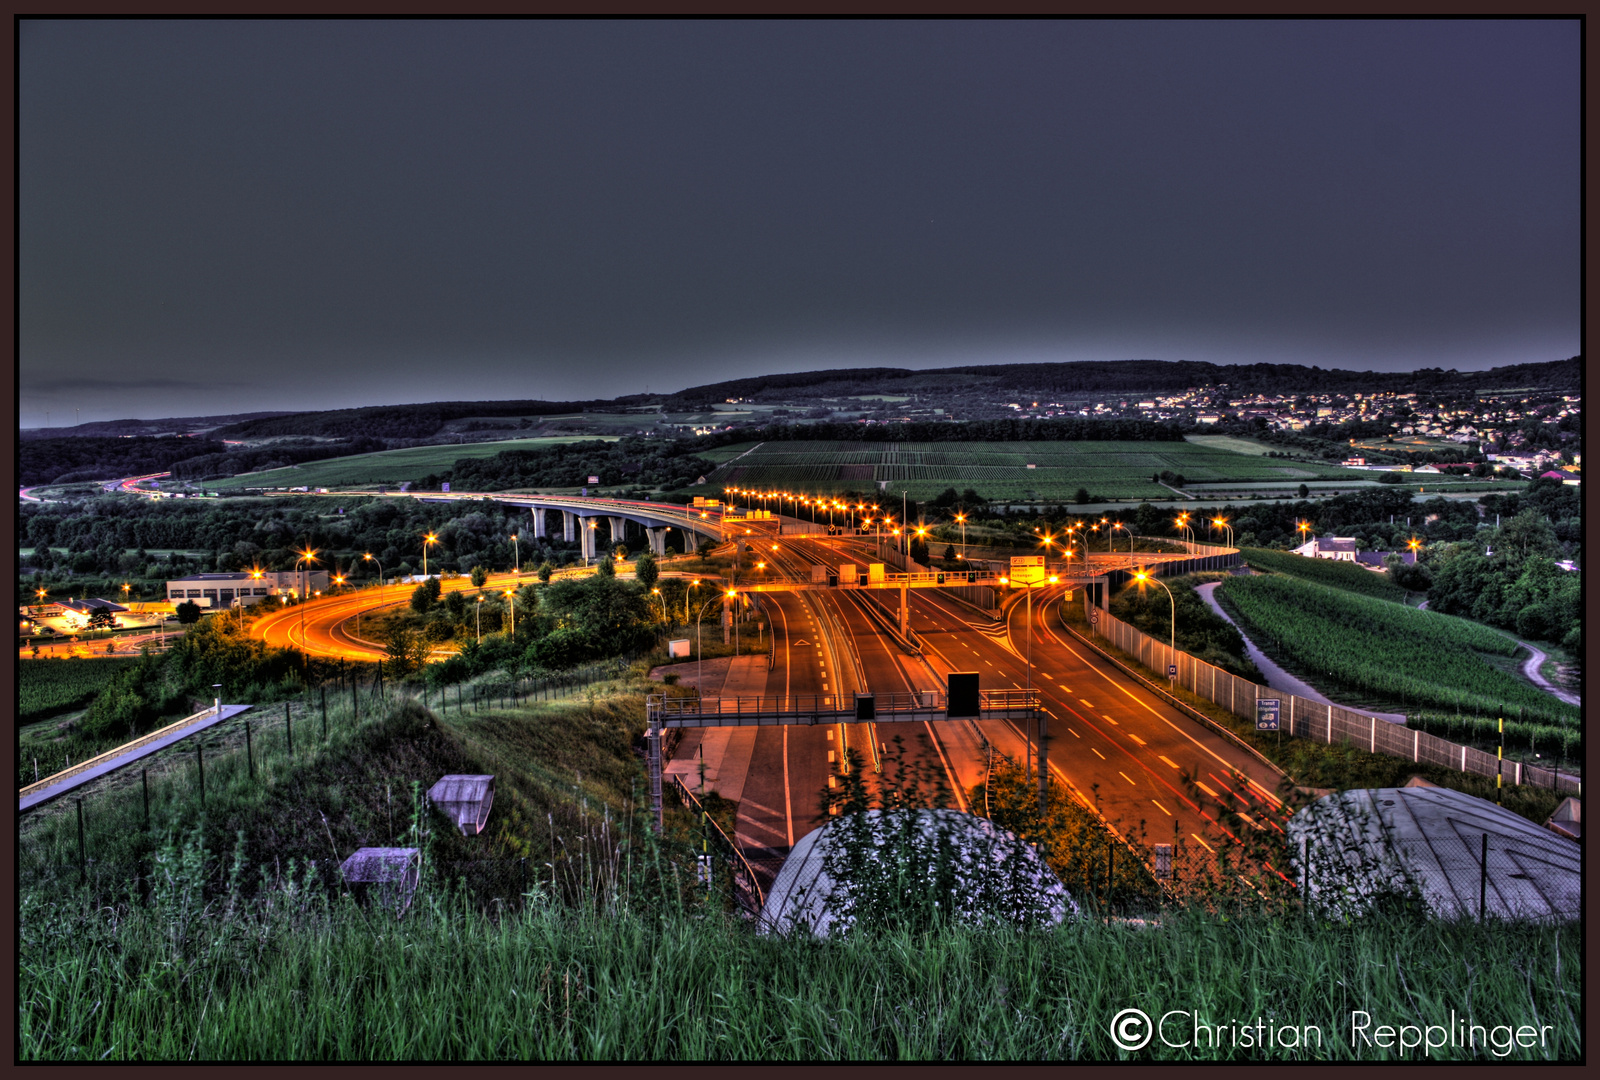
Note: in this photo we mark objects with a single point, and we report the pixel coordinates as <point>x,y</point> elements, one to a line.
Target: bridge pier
<point>658,541</point>
<point>586,531</point>
<point>569,524</point>
<point>619,530</point>
<point>538,523</point>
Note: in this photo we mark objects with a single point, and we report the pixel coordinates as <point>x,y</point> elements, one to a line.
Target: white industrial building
<point>221,590</point>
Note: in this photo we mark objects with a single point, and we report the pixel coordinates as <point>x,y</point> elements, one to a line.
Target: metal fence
<point>1319,721</point>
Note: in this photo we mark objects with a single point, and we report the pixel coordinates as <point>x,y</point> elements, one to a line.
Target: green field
<point>1418,658</point>
<point>1339,575</point>
<point>48,687</point>
<point>387,466</point>
<point>999,470</point>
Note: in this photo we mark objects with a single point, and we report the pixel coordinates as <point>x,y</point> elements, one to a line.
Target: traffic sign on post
<point>1172,671</point>
<point>1267,714</point>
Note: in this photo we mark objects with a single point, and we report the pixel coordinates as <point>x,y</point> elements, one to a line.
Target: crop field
<point>1418,658</point>
<point>388,466</point>
<point>48,687</point>
<point>1000,470</point>
<point>1339,575</point>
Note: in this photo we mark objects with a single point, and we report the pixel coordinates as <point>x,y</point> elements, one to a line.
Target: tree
<point>545,570</point>
<point>404,650</point>
<point>101,620</point>
<point>188,613</point>
<point>950,553</point>
<point>421,598</point>
<point>607,568</point>
<point>1082,496</point>
<point>479,576</point>
<point>620,551</point>
<point>1303,491</point>
<point>646,570</point>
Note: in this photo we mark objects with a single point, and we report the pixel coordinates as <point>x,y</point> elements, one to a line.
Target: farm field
<point>1000,470</point>
<point>1338,575</point>
<point>49,687</point>
<point>1421,659</point>
<point>388,466</point>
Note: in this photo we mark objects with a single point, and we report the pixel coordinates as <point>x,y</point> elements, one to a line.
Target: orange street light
<point>1142,576</point>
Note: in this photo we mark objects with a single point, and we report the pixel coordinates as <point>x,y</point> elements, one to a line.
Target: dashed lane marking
<point>1164,810</point>
<point>1075,735</point>
<point>1135,738</point>
<point>1109,720</point>
<point>1203,844</point>
<point>1168,760</point>
<point>1098,754</point>
<point>1205,789</point>
<point>1126,777</point>
<point>1086,704</point>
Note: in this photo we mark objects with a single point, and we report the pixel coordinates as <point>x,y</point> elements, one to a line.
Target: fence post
<point>249,755</point>
<point>1483,878</point>
<point>288,728</point>
<point>1374,735</point>
<point>200,763</point>
<point>1330,723</point>
<point>83,850</point>
<point>144,780</point>
<point>1416,745</point>
<point>324,714</point>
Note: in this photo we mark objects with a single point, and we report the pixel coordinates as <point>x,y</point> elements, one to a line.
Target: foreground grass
<point>298,979</point>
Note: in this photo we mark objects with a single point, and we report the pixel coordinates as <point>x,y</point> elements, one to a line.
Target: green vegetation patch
<point>388,466</point>
<point>1416,657</point>
<point>1335,574</point>
<point>48,688</point>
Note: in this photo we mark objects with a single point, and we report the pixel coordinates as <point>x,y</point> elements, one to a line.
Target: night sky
<point>238,216</point>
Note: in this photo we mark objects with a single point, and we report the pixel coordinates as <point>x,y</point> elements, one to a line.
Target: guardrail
<point>127,747</point>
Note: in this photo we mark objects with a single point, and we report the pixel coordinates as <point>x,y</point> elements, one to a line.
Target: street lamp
<point>512,596</point>
<point>1222,523</point>
<point>429,539</point>
<point>307,555</point>
<point>1303,527</point>
<point>516,547</point>
<point>368,555</point>
<point>692,585</point>
<point>961,519</point>
<point>1114,527</point>
<point>1142,576</point>
<point>479,610</point>
<point>699,637</point>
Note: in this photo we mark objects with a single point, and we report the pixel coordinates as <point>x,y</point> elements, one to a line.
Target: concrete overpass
<point>580,519</point>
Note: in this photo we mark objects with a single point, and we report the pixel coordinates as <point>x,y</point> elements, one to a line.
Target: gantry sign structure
<point>962,699</point>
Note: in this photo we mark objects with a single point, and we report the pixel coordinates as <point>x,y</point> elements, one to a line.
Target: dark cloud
<point>335,213</point>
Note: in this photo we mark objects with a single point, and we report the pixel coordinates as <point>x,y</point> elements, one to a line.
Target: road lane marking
<point>1086,704</point>
<point>1109,720</point>
<point>1164,810</point>
<point>1203,844</point>
<point>1135,738</point>
<point>1075,735</point>
<point>1168,760</point>
<point>1126,777</point>
<point>1205,789</point>
<point>1066,689</point>
<point>1098,754</point>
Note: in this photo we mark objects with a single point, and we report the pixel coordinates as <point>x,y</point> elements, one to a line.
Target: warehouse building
<point>221,590</point>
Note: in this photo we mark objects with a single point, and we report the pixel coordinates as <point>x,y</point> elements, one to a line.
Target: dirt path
<point>1277,678</point>
<point>1530,671</point>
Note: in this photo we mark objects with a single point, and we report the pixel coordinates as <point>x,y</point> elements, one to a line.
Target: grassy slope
<point>50,687</point>
<point>387,466</point>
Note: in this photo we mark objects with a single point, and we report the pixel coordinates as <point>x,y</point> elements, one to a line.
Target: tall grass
<point>295,977</point>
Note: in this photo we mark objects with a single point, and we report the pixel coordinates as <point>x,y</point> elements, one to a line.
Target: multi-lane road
<point>1152,772</point>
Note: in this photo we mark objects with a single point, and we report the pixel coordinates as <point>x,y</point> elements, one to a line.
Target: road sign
<point>1027,569</point>
<point>962,697</point>
<point>1094,614</point>
<point>1172,671</point>
<point>1267,714</point>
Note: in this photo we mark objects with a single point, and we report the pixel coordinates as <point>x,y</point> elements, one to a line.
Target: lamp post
<point>1114,527</point>
<point>1222,523</point>
<point>516,548</point>
<point>699,638</point>
<point>1142,576</point>
<point>429,539</point>
<point>961,519</point>
<point>511,598</point>
<point>379,565</point>
<point>308,555</point>
<point>692,585</point>
<point>479,610</point>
